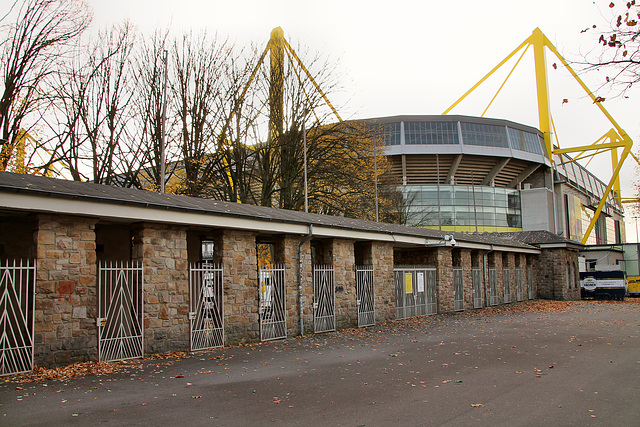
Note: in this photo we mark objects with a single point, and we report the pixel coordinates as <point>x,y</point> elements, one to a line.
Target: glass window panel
<point>484,135</point>
<point>431,133</point>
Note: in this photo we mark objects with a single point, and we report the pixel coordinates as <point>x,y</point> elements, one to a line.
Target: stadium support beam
<point>495,171</point>
<point>618,137</point>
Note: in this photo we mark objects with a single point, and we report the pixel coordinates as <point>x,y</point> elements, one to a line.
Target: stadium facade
<point>475,174</point>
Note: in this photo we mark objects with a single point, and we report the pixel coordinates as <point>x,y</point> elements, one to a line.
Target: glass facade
<point>431,133</point>
<point>463,207</point>
<point>525,141</point>
<point>484,135</point>
<point>453,132</point>
<point>391,133</point>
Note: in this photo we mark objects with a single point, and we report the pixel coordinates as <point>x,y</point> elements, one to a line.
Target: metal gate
<point>365,295</point>
<point>206,303</point>
<point>506,281</point>
<point>493,287</point>
<point>519,284</point>
<point>17,297</point>
<point>272,304</point>
<point>120,309</point>
<point>415,289</point>
<point>458,289</point>
<point>324,299</point>
<point>530,283</point>
<point>476,278</point>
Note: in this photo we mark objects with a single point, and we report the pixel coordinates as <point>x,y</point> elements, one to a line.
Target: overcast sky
<point>417,57</point>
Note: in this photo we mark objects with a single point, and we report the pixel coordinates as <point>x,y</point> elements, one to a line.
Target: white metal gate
<point>415,289</point>
<point>458,289</point>
<point>519,292</point>
<point>530,283</point>
<point>206,306</point>
<point>506,282</point>
<point>493,286</point>
<point>324,299</point>
<point>365,295</point>
<point>120,310</point>
<point>476,278</point>
<point>17,297</point>
<point>272,304</point>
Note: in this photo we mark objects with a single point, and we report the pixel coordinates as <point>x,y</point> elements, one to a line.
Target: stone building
<point>91,272</point>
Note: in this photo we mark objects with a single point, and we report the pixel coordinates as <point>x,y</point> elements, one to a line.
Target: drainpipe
<point>300,303</point>
<point>486,276</point>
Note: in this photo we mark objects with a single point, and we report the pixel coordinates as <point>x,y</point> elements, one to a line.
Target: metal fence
<point>17,303</point>
<point>120,310</point>
<point>519,290</point>
<point>415,289</point>
<point>365,295</point>
<point>206,306</point>
<point>493,286</point>
<point>506,282</point>
<point>476,278</point>
<point>272,303</point>
<point>458,289</point>
<point>324,299</point>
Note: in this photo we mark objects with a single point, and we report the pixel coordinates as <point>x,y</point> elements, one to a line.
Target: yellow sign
<point>634,284</point>
<point>408,284</point>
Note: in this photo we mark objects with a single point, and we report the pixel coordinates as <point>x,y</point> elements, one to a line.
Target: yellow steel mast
<point>616,137</point>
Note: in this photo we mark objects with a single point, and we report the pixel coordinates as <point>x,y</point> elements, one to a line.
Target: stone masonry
<point>345,282</point>
<point>557,273</point>
<point>240,265</point>
<point>65,315</point>
<point>444,274</point>
<point>162,249</point>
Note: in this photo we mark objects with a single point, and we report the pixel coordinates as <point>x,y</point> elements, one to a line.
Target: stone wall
<point>286,249</point>
<point>345,282</point>
<point>241,293</point>
<point>162,249</point>
<point>382,261</point>
<point>65,313</point>
<point>444,274</point>
<point>467,278</point>
<point>556,275</point>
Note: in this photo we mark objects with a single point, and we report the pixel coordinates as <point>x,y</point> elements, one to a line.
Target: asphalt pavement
<point>531,363</point>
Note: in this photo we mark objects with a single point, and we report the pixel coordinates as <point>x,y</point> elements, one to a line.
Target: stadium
<point>475,175</point>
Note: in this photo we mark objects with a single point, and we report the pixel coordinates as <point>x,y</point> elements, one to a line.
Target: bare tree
<point>37,38</point>
<point>92,130</point>
<point>198,88</point>
<point>619,40</point>
<point>150,69</point>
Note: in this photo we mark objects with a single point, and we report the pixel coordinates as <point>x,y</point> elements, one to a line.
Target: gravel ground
<point>528,363</point>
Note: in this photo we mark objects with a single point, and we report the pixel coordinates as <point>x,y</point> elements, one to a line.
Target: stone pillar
<point>287,254</point>
<point>382,261</point>
<point>343,261</point>
<point>162,249</point>
<point>467,278</point>
<point>307,287</point>
<point>444,276</point>
<point>241,293</point>
<point>66,305</point>
<point>511,265</point>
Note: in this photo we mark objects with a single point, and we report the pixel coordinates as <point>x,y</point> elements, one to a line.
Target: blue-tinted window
<point>484,135</point>
<point>390,133</point>
<point>430,133</point>
<point>525,141</point>
<point>494,206</point>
